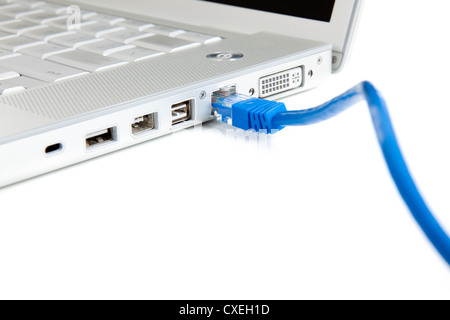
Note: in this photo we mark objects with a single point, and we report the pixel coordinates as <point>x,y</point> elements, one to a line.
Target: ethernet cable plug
<point>245,112</point>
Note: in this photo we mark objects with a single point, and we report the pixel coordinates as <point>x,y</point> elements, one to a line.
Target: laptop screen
<point>309,9</point>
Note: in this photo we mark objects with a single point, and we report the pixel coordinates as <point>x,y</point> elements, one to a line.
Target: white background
<point>204,216</point>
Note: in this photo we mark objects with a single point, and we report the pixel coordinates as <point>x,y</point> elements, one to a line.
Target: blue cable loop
<point>391,150</point>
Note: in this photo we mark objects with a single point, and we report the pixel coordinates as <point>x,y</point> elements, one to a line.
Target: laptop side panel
<point>90,116</point>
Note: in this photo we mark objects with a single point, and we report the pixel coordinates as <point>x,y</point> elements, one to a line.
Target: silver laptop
<point>79,79</point>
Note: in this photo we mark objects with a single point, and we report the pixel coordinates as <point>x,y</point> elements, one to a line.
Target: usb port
<point>143,124</point>
<point>181,112</point>
<point>101,137</point>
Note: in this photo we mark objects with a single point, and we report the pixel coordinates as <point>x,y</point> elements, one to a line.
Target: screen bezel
<point>320,10</point>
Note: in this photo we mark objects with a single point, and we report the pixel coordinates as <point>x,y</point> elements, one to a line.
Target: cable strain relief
<point>257,114</point>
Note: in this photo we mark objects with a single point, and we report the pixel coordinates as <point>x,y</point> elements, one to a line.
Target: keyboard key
<point>127,35</point>
<point>135,25</point>
<point>54,8</point>
<point>165,31</point>
<point>18,43</point>
<point>106,19</point>
<point>136,54</point>
<point>9,88</point>
<point>41,69</point>
<point>67,24</point>
<point>5,19</point>
<point>6,35</point>
<point>5,54</point>
<point>26,82</point>
<point>7,73</point>
<point>86,60</point>
<point>99,29</point>
<point>105,47</point>
<point>7,5</point>
<point>85,14</point>
<point>17,11</point>
<point>45,50</point>
<point>30,3</point>
<point>43,17</point>
<point>75,40</point>
<point>198,37</point>
<point>20,27</point>
<point>162,43</point>
<point>47,33</point>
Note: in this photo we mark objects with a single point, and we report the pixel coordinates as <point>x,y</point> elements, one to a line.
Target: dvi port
<point>280,82</point>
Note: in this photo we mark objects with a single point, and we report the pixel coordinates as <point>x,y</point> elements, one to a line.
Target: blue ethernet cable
<point>270,116</point>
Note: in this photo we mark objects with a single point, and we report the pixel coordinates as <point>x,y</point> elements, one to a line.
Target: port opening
<point>143,124</point>
<point>181,111</point>
<point>281,82</point>
<point>228,90</point>
<point>224,91</point>
<point>101,137</point>
<point>53,148</point>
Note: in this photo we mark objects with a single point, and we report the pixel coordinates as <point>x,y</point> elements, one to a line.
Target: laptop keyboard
<point>40,43</point>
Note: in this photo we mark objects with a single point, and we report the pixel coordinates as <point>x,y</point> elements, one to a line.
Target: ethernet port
<point>143,124</point>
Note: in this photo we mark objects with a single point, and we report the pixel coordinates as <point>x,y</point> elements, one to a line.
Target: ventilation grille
<point>280,82</point>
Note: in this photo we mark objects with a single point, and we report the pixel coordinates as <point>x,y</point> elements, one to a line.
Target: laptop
<point>80,79</point>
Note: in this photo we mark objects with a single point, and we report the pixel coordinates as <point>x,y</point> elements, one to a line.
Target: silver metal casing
<point>67,112</point>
